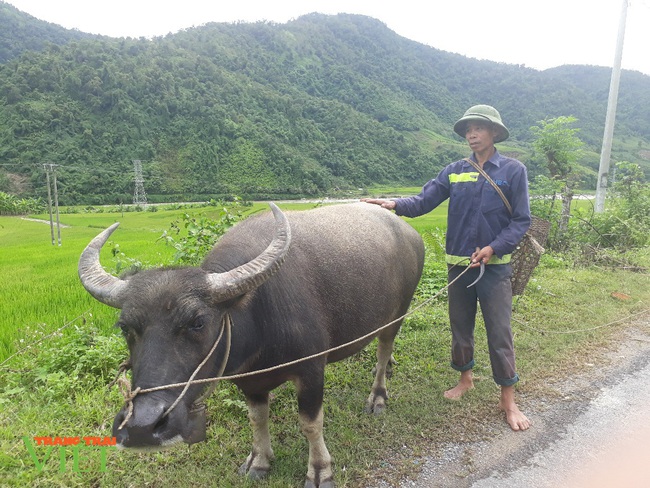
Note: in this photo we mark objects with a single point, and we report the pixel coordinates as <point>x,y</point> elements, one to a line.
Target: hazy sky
<point>537,33</point>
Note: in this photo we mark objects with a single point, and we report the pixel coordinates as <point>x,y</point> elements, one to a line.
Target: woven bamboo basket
<point>526,256</point>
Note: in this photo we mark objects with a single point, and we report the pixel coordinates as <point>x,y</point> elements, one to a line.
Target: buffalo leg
<point>258,462</point>
<point>310,406</point>
<point>376,402</point>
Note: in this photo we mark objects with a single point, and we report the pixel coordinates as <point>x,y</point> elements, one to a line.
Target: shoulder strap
<point>491,181</point>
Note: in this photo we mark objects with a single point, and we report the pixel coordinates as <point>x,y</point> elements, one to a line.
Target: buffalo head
<point>171,318</point>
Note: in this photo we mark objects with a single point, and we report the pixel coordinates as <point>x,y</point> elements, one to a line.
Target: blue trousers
<point>494,293</point>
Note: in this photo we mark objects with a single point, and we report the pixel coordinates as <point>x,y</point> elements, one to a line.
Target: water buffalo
<point>294,285</point>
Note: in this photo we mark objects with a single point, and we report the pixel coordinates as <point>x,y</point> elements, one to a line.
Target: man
<point>479,228</point>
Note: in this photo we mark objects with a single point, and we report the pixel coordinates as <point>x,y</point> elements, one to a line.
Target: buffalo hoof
<point>376,408</point>
<point>325,484</point>
<point>376,402</point>
<point>253,473</point>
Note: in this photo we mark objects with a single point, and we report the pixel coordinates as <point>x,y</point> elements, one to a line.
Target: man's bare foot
<point>515,418</point>
<point>465,384</point>
<point>457,391</point>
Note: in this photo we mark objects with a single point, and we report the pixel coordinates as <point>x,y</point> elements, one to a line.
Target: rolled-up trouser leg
<point>494,292</point>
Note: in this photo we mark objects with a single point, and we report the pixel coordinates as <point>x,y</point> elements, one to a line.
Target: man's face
<point>480,135</point>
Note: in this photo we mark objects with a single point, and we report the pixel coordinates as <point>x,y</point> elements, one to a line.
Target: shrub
<point>196,236</point>
<point>624,224</point>
<point>11,205</point>
<point>62,364</point>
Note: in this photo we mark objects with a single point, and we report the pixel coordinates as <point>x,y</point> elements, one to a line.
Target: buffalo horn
<point>103,286</point>
<point>249,276</point>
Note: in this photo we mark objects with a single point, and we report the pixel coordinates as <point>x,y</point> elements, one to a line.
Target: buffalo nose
<point>143,428</point>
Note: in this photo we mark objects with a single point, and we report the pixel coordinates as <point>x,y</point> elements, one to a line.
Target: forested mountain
<point>20,32</point>
<point>263,109</point>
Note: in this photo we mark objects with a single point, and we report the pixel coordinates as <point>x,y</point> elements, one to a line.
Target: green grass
<point>58,387</point>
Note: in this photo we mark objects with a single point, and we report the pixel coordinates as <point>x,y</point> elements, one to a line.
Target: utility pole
<point>605,153</point>
<point>56,205</point>
<point>139,197</point>
<point>49,200</point>
<point>51,168</point>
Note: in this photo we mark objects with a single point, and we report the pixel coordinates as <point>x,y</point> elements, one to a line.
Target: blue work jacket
<point>477,216</point>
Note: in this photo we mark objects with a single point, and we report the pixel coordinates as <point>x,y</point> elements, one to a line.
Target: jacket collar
<point>495,159</point>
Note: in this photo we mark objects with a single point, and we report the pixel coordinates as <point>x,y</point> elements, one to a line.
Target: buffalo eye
<point>198,323</point>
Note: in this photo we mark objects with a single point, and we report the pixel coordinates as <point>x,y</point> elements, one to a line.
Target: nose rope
<point>125,385</point>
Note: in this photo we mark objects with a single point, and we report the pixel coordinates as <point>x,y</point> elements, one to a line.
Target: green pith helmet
<point>482,113</point>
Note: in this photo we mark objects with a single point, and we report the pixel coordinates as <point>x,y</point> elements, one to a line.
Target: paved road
<point>594,434</point>
<point>606,446</point>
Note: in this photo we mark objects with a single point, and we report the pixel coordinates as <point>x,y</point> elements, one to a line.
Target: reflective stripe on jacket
<point>477,216</point>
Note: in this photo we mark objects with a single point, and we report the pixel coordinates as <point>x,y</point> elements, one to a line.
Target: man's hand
<point>389,204</point>
<point>481,256</point>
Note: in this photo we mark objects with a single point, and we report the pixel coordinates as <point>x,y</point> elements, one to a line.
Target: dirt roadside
<point>44,222</point>
<point>592,433</point>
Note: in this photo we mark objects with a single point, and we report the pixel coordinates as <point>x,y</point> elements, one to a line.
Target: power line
<point>84,169</point>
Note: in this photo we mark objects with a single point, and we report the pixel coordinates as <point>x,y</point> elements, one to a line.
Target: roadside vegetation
<point>59,350</point>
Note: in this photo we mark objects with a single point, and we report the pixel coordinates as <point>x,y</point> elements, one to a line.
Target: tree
<point>560,145</point>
